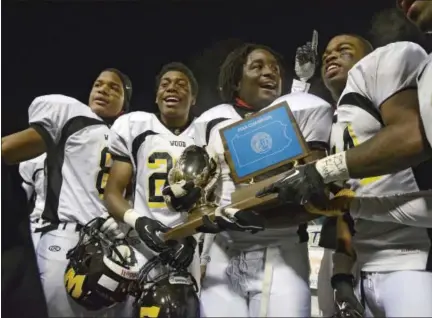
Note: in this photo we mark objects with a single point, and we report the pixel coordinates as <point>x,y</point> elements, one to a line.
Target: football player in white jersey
<point>144,147</point>
<point>34,183</point>
<point>267,273</point>
<point>75,138</point>
<point>378,111</point>
<point>420,13</point>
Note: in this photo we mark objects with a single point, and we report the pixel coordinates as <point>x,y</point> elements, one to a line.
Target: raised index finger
<point>314,44</point>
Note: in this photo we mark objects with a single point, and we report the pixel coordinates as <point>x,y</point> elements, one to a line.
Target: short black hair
<point>179,67</point>
<point>367,45</point>
<point>231,70</point>
<point>127,86</point>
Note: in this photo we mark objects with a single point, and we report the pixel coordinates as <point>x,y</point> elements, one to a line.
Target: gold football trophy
<point>194,165</point>
<point>283,131</point>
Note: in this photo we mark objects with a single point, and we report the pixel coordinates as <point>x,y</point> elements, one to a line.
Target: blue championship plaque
<point>257,146</point>
<point>263,142</point>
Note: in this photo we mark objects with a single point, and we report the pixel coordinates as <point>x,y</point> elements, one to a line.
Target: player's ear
<point>193,101</point>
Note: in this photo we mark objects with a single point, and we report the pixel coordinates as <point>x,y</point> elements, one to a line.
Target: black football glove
<point>181,196</point>
<point>180,253</point>
<point>233,220</point>
<point>148,229</point>
<point>301,185</point>
<point>346,302</point>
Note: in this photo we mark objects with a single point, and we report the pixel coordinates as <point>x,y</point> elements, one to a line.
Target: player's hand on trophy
<point>180,254</point>
<point>149,230</point>
<point>306,58</point>
<point>301,185</point>
<point>110,227</point>
<point>181,196</point>
<point>346,302</point>
<point>233,220</point>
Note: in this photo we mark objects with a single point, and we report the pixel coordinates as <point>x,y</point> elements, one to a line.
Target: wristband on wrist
<point>333,168</point>
<point>130,217</point>
<point>299,86</point>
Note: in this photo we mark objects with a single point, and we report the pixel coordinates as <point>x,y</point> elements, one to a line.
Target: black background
<point>61,46</point>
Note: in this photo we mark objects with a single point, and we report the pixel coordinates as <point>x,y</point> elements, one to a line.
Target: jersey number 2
<point>158,180</point>
<point>102,177</point>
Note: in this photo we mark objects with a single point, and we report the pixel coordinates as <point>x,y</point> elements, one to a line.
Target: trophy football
<point>194,165</point>
<point>259,150</point>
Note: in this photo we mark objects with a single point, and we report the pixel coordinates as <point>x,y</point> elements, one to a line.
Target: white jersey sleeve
<point>48,114</point>
<point>119,144</point>
<point>424,80</point>
<point>206,123</point>
<point>215,149</point>
<point>386,71</point>
<point>207,244</point>
<point>33,174</point>
<point>26,170</point>
<point>313,116</point>
<point>412,209</point>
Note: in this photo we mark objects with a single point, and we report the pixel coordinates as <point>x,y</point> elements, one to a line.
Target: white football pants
<point>325,290</point>
<point>396,294</point>
<point>34,225</point>
<point>272,282</point>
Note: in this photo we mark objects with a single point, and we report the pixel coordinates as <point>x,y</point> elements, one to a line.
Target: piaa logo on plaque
<point>261,142</point>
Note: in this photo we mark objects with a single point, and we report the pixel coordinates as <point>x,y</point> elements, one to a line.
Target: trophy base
<point>276,213</point>
<point>193,222</point>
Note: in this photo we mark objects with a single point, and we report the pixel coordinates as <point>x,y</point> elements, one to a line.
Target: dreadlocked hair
<point>231,71</point>
<point>179,67</point>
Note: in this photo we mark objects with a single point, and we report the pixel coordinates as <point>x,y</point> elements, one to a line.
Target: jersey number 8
<point>102,177</point>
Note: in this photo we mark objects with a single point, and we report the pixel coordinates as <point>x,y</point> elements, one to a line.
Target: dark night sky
<point>60,47</point>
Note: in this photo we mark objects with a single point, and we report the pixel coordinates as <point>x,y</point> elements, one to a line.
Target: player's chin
<point>266,97</point>
<point>172,110</point>
<point>97,109</point>
<point>335,81</point>
<point>102,111</point>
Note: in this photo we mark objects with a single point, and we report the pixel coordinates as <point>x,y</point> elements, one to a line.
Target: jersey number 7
<point>158,180</point>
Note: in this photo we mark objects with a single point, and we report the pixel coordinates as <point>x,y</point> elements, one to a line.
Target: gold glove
<point>337,206</point>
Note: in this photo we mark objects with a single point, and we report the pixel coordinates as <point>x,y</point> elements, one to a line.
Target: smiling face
<point>261,82</point>
<point>419,12</point>
<point>107,95</point>
<point>174,95</point>
<point>342,52</point>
